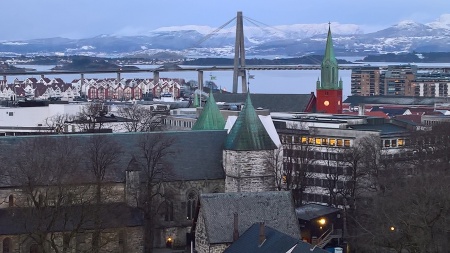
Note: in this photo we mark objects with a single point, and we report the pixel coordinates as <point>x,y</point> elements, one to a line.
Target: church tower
<point>247,149</point>
<point>210,118</point>
<point>329,87</point>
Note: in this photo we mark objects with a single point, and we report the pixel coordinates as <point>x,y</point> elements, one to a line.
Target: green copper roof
<point>248,132</point>
<point>329,49</point>
<point>329,68</point>
<point>211,118</point>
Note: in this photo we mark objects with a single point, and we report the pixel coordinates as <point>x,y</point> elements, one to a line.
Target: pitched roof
<point>273,102</point>
<point>275,242</point>
<point>248,132</point>
<point>211,118</point>
<point>313,211</point>
<point>276,209</point>
<point>197,155</point>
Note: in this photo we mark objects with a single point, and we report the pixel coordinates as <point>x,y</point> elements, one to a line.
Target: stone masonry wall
<point>247,171</point>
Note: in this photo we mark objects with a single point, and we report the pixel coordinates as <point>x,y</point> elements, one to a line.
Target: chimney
<point>235,228</point>
<point>361,109</point>
<point>262,234</point>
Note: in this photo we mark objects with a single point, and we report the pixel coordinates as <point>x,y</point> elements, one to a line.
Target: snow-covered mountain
<point>260,40</point>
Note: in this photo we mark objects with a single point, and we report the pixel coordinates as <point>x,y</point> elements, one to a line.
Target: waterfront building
<point>365,81</point>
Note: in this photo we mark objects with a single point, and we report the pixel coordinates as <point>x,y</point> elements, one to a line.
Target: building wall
<point>329,101</point>
<point>202,244</point>
<point>118,240</point>
<point>247,171</point>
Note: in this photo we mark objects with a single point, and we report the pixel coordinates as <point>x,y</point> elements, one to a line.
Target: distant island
<point>5,68</point>
<point>414,57</point>
<point>82,63</point>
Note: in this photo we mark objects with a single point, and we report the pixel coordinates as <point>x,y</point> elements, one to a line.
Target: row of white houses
<point>92,88</point>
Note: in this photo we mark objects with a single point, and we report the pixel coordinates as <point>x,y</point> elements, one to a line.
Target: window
<point>303,140</point>
<point>387,143</point>
<point>7,245</point>
<point>347,143</point>
<point>394,143</point>
<point>339,142</point>
<point>400,142</point>
<point>66,242</point>
<point>191,205</point>
<point>34,248</point>
<point>324,141</point>
<point>11,200</point>
<point>332,142</point>
<point>168,210</point>
<point>318,141</point>
<point>310,140</point>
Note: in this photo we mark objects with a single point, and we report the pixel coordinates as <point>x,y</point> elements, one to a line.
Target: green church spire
<point>329,67</point>
<point>210,118</point>
<point>248,132</point>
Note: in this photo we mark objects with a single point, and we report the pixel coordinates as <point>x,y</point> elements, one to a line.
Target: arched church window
<point>7,245</point>
<point>191,205</point>
<point>332,75</point>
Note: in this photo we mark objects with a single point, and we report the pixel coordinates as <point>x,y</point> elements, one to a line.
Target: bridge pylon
<point>239,56</point>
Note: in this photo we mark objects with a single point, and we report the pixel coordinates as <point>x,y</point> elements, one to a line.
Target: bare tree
<point>44,169</point>
<point>140,118</point>
<point>153,160</point>
<point>101,155</point>
<point>293,170</point>
<point>91,117</point>
<point>58,123</point>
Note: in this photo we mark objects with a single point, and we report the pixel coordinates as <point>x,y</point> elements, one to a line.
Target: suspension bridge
<point>239,68</point>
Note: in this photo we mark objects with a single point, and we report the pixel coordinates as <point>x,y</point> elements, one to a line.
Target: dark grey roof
<point>273,102</point>
<point>276,209</point>
<point>24,220</point>
<point>197,155</point>
<point>384,129</point>
<point>313,211</point>
<point>276,242</point>
<point>394,100</point>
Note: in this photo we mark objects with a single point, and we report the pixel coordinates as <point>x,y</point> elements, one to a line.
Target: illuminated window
<point>339,142</point>
<point>324,141</point>
<point>400,142</point>
<point>311,140</point>
<point>303,140</point>
<point>318,141</point>
<point>332,142</point>
<point>347,143</point>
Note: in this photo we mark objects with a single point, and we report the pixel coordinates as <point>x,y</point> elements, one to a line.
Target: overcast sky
<point>25,19</point>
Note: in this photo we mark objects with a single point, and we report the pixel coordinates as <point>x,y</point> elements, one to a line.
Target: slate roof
<point>395,100</point>
<point>312,211</point>
<point>115,215</point>
<point>276,242</point>
<point>197,155</point>
<point>273,102</point>
<point>276,209</point>
<point>248,132</point>
<point>384,129</point>
<point>211,118</point>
